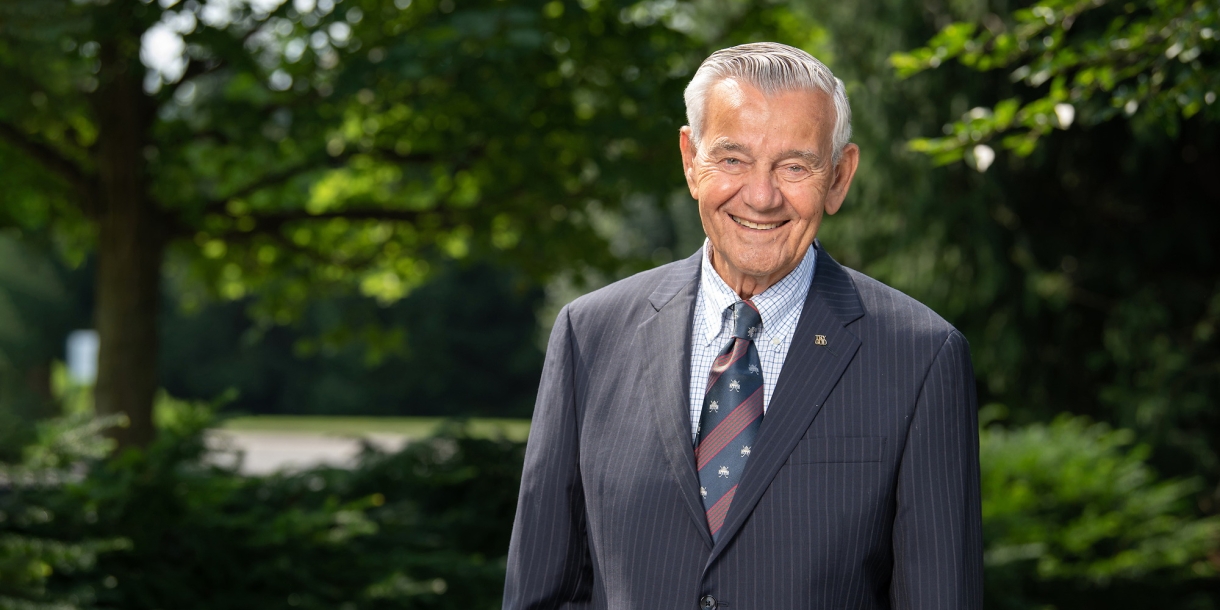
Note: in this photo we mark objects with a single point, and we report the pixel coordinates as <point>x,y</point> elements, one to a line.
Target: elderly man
<point>755,427</point>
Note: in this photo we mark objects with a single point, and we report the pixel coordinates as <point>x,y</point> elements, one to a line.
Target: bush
<point>32,550</point>
<point>424,528</point>
<point>1073,518</point>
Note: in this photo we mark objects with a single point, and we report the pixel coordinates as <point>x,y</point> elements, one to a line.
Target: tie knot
<point>747,322</point>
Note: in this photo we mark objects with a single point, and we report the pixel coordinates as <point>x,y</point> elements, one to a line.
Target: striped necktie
<point>732,414</point>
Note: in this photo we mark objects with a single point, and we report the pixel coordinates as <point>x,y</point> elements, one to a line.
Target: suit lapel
<point>811,370</point>
<point>665,377</point>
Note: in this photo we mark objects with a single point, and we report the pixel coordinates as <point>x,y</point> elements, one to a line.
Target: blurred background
<point>276,275</point>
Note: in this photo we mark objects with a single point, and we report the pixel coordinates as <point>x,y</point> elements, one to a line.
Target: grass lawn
<point>413,427</point>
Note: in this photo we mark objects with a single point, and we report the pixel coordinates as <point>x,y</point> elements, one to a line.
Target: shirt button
<point>707,602</point>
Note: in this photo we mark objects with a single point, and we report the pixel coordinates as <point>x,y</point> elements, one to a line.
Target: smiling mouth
<point>754,225</point>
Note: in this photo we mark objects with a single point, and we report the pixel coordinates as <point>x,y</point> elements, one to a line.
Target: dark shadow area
<point>465,343</point>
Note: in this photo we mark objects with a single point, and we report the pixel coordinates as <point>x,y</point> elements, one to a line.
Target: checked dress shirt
<point>780,307</point>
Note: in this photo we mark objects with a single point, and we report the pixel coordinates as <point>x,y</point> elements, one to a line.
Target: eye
<point>732,161</point>
<point>793,172</point>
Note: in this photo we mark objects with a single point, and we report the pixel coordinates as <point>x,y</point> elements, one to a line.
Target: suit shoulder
<point>897,312</point>
<point>625,299</point>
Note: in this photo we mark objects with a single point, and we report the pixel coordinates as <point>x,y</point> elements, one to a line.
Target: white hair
<point>771,67</point>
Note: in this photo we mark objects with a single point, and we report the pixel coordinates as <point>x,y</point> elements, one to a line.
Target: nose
<point>761,190</point>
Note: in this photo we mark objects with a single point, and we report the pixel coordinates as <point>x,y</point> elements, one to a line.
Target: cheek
<point>717,187</point>
<point>806,203</point>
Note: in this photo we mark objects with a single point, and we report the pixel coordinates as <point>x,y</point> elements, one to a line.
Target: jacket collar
<point>829,280</point>
<point>822,347</point>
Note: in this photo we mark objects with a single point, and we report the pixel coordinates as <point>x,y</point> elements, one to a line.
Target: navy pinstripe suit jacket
<point>862,490</point>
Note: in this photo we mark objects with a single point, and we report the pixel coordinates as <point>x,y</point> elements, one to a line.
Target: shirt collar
<point>774,304</point>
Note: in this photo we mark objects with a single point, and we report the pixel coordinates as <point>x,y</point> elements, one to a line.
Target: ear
<point>688,160</point>
<point>844,171</point>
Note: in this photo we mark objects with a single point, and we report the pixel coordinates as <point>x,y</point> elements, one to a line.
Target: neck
<point>746,286</point>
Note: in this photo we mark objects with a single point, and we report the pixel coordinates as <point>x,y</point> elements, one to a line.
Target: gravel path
<point>264,453</point>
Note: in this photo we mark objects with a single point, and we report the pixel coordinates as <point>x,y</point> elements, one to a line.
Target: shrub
<point>1073,517</point>
<point>33,549</point>
<point>423,528</point>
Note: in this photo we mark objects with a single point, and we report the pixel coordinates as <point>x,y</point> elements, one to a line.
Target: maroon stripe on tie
<point>720,510</point>
<point>739,419</point>
<point>720,365</point>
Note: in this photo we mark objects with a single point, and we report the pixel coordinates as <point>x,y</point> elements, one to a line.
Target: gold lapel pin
<point>819,339</point>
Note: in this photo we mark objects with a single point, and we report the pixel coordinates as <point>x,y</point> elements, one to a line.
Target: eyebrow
<point>724,145</point>
<point>807,156</point>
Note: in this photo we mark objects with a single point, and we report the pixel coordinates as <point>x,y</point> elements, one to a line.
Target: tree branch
<point>269,225</point>
<point>318,257</point>
<point>266,181</point>
<point>280,177</point>
<point>273,222</point>
<point>49,158</point>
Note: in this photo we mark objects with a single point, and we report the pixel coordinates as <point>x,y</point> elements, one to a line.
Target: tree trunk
<point>130,247</point>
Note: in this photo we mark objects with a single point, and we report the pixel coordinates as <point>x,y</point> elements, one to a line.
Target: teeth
<point>746,223</point>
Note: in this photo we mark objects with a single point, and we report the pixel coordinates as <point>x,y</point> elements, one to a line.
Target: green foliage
<point>287,151</point>
<point>1073,517</point>
<point>33,551</point>
<point>487,128</point>
<point>1082,60</point>
<point>39,304</point>
<point>423,528</point>
<point>351,145</point>
<point>1084,274</point>
<point>1071,509</point>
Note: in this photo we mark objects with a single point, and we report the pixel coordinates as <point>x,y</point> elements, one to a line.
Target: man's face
<point>763,178</point>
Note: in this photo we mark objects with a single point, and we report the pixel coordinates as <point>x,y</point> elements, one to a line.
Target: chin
<point>761,266</point>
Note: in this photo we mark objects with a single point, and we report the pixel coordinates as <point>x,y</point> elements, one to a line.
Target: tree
<point>1158,60</point>
<point>282,149</point>
<point>1083,273</point>
<point>1102,211</point>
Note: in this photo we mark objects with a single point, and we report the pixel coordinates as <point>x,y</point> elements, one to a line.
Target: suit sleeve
<point>548,558</point>
<point>937,536</point>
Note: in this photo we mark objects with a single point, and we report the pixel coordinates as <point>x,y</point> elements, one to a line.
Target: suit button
<point>707,602</point>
